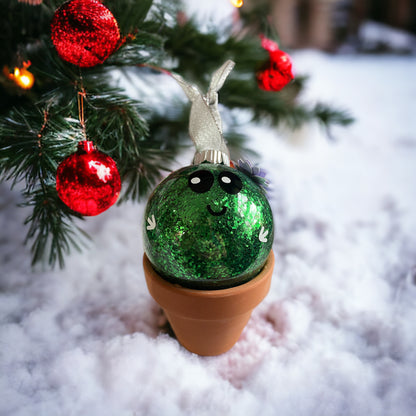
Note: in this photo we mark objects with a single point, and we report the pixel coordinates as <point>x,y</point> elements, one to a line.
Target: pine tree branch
<point>31,144</point>
<point>241,90</point>
<point>51,228</point>
<point>41,127</point>
<point>130,13</point>
<point>119,127</point>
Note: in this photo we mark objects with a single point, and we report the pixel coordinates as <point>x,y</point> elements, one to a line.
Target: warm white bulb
<point>237,3</point>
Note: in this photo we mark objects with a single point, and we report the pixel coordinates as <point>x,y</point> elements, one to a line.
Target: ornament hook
<point>81,94</point>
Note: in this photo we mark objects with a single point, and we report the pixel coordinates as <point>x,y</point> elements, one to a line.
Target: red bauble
<point>84,32</point>
<point>277,72</point>
<point>88,181</point>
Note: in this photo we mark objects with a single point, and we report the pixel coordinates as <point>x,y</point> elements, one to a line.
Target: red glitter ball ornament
<point>84,32</point>
<point>277,72</point>
<point>88,181</point>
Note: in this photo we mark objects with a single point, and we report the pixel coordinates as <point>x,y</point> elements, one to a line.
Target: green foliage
<point>40,127</point>
<point>28,149</point>
<point>51,228</point>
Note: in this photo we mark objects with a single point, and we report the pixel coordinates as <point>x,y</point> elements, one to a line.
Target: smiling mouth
<point>216,214</point>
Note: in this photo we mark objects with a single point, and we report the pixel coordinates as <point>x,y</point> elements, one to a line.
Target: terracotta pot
<point>208,322</point>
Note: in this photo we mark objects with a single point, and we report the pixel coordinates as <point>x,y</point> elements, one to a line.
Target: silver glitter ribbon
<point>205,126</point>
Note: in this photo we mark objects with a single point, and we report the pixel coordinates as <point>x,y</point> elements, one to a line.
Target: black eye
<point>230,183</point>
<point>201,181</point>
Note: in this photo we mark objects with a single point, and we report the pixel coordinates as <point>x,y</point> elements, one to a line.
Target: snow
<point>373,35</point>
<point>335,335</point>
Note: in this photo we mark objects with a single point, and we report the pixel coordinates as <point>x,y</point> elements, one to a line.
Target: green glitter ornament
<point>208,225</point>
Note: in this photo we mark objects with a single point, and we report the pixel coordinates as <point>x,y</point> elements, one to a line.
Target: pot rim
<point>212,303</point>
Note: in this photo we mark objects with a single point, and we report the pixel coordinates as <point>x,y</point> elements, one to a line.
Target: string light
<point>20,76</point>
<point>237,3</point>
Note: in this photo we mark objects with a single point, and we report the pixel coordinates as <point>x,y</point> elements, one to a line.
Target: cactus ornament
<point>208,227</point>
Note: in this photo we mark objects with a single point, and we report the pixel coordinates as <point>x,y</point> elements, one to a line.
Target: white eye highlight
<point>195,180</point>
<point>225,179</point>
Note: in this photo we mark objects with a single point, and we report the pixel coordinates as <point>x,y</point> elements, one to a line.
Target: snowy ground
<point>335,336</point>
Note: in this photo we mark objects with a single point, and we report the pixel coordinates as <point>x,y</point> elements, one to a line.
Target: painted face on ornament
<point>208,226</point>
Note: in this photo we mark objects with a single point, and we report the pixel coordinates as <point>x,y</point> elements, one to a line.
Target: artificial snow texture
<point>336,334</point>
